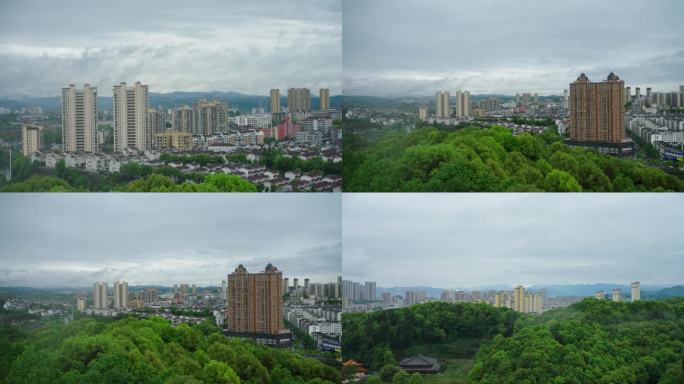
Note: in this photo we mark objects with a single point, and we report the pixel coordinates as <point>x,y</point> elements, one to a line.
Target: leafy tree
<point>400,377</point>
<point>216,372</point>
<point>561,181</point>
<point>415,378</point>
<point>387,373</point>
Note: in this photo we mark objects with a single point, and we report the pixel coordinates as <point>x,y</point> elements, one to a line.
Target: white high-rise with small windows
<point>79,119</point>
<point>130,117</point>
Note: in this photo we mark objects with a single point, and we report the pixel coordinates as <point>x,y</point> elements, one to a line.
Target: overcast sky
<point>473,240</point>
<point>416,47</point>
<point>210,45</point>
<point>49,240</point>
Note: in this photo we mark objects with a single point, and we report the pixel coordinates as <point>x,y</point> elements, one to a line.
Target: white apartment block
<point>79,119</point>
<point>130,117</point>
<point>31,139</point>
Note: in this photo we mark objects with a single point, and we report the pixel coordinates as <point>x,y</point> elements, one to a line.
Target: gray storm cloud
<point>73,240</point>
<point>410,47</point>
<point>171,45</point>
<point>474,240</point>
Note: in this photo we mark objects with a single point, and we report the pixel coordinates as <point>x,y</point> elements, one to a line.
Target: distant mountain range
<point>238,100</point>
<point>383,100</point>
<point>647,290</point>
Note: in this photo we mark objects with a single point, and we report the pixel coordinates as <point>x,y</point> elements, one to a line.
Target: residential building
<point>79,119</point>
<point>31,139</point>
<point>255,301</point>
<point>442,104</point>
<point>130,117</point>
<point>120,294</point>
<point>299,100</point>
<point>209,117</point>
<point>100,295</point>
<point>423,112</point>
<point>324,99</point>
<point>519,299</point>
<point>599,295</point>
<point>617,295</point>
<point>597,111</point>
<point>274,101</point>
<point>182,119</point>
<point>173,139</point>
<point>156,122</point>
<point>414,297</point>
<point>636,291</point>
<point>462,104</point>
<point>80,303</point>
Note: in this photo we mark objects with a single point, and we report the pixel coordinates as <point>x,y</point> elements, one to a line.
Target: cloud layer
<point>471,240</point>
<point>170,45</point>
<point>74,240</point>
<point>409,47</point>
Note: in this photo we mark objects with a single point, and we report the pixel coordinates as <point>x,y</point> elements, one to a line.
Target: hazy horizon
<point>74,240</point>
<point>488,239</point>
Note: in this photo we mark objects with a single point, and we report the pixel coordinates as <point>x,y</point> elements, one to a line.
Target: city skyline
<point>411,48</point>
<point>213,46</point>
<point>461,241</point>
<point>68,240</point>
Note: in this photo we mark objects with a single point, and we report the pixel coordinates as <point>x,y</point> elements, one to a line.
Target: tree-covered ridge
<point>133,177</point>
<point>150,351</point>
<point>376,338</point>
<point>489,159</point>
<point>594,341</point>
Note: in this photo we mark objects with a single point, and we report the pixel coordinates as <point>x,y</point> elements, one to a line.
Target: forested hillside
<point>148,351</point>
<point>594,341</point>
<point>489,159</point>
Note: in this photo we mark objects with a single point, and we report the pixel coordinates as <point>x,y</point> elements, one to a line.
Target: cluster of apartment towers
<point>254,300</point>
<point>597,110</point>
<point>136,126</point>
<point>617,293</point>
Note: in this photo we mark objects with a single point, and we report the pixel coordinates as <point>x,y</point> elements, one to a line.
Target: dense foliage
<point>132,177</point>
<point>595,341</point>
<point>148,351</point>
<point>376,338</point>
<point>489,159</point>
<point>276,159</point>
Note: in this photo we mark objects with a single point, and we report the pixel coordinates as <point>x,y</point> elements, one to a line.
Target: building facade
<point>100,295</point>
<point>79,119</point>
<point>130,117</point>
<point>255,301</point>
<point>597,110</point>
<point>31,139</point>
<point>299,100</point>
<point>324,99</point>
<point>463,104</point>
<point>274,101</point>
<point>120,294</point>
<point>209,117</point>
<point>174,140</point>
<point>442,104</point>
<point>636,291</point>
